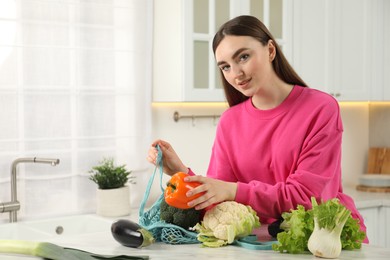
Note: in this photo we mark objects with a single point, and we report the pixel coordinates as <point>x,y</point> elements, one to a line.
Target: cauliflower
<point>226,222</point>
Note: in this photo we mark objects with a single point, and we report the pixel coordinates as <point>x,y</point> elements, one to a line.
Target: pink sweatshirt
<point>283,156</point>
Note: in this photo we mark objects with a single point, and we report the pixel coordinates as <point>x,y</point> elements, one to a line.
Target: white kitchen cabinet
<point>339,47</point>
<point>310,48</point>
<point>373,217</point>
<point>386,213</point>
<point>168,64</point>
<point>183,64</point>
<point>385,11</point>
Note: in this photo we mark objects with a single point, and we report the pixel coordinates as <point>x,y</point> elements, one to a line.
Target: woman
<point>279,143</point>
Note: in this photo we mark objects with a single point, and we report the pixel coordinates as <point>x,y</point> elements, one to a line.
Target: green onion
<point>51,251</point>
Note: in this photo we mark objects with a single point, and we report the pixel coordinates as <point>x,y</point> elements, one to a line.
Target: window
<point>75,84</point>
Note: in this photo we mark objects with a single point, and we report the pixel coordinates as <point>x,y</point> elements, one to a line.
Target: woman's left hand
<point>215,191</point>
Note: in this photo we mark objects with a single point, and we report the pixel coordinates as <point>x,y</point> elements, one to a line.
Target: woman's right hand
<point>171,161</point>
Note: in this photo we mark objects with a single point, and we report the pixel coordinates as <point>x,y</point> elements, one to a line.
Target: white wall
<point>191,139</point>
<point>355,118</point>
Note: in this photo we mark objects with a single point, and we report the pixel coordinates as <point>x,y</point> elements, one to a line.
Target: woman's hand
<point>171,161</point>
<point>215,191</point>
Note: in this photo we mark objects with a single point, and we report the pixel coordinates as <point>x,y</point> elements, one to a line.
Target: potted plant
<point>113,193</point>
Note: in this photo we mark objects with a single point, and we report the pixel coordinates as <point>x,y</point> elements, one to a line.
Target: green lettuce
<point>298,225</point>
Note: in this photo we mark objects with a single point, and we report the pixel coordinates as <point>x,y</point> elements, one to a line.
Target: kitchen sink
<point>76,225</point>
<point>17,231</point>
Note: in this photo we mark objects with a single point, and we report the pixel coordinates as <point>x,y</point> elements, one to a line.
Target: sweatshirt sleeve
<point>316,175</point>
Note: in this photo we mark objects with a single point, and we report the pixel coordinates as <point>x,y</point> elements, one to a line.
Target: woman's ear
<point>271,50</point>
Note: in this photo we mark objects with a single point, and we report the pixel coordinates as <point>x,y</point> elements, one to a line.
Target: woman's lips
<point>244,84</point>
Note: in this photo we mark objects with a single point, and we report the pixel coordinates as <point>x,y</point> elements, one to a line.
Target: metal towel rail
<point>177,117</point>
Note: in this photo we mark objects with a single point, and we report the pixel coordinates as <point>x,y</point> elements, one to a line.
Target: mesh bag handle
<point>150,219</point>
<point>159,165</point>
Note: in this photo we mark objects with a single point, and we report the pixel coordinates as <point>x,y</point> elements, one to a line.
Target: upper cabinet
<point>384,13</point>
<point>183,65</point>
<point>341,47</point>
<point>338,46</point>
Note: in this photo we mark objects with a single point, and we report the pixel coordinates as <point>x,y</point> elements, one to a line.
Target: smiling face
<point>245,63</point>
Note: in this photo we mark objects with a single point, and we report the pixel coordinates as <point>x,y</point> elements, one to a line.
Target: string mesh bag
<point>150,219</point>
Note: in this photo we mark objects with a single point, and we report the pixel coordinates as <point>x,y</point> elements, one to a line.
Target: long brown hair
<point>247,25</point>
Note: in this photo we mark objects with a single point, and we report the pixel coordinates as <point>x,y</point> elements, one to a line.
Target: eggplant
<point>130,234</point>
<point>274,228</point>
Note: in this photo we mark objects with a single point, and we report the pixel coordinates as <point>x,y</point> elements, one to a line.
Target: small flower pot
<point>113,202</point>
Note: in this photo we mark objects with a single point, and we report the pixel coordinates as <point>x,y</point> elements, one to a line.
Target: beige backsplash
<point>365,125</point>
<point>379,124</point>
<point>355,118</point>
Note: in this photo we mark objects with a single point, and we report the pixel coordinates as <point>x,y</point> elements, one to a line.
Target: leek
<point>51,251</point>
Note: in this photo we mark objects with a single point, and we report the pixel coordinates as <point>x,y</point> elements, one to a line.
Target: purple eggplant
<point>130,234</point>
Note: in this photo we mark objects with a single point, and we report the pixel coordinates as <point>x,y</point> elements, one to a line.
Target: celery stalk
<point>51,251</point>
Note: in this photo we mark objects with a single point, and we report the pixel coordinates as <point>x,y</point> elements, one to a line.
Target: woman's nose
<point>237,71</point>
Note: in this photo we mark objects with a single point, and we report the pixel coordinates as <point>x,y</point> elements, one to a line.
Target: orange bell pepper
<point>175,192</point>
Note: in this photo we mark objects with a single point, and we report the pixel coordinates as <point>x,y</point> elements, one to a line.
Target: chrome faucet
<point>14,205</point>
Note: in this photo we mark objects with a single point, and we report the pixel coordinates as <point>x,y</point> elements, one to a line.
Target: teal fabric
<point>251,242</point>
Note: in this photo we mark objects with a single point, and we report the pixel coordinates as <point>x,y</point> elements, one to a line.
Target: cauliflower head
<point>226,222</point>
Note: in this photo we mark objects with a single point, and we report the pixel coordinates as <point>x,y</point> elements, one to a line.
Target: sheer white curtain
<point>75,84</point>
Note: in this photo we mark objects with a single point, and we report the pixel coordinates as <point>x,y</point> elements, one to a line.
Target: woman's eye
<point>244,57</point>
<point>225,68</point>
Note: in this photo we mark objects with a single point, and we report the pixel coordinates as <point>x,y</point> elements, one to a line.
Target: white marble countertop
<point>103,242</point>
<point>368,199</point>
<point>106,245</point>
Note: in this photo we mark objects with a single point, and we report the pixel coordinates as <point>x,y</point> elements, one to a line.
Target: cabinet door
<point>385,11</point>
<point>310,48</point>
<point>334,48</point>
<point>372,218</point>
<point>387,226</point>
<point>351,48</point>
